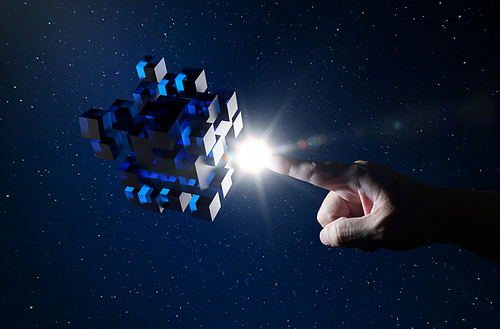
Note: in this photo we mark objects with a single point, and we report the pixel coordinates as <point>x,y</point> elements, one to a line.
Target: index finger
<point>328,175</point>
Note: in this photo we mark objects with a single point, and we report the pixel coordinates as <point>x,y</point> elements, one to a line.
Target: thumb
<point>329,175</point>
<point>350,232</point>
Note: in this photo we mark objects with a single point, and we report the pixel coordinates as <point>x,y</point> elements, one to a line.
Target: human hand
<point>369,206</point>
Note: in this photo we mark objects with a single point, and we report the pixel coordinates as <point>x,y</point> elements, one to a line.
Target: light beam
<point>253,155</point>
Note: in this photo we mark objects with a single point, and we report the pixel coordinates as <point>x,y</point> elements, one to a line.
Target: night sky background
<point>412,86</point>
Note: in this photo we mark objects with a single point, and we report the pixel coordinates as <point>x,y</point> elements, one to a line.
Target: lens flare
<point>253,155</point>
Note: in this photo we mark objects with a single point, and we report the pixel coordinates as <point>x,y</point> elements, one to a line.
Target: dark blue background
<point>413,86</point>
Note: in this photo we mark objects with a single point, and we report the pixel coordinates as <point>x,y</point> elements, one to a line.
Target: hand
<point>369,206</point>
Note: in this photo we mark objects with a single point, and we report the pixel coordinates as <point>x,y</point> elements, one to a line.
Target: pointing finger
<point>329,175</point>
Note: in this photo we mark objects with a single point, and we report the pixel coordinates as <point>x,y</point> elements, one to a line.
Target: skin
<point>371,206</point>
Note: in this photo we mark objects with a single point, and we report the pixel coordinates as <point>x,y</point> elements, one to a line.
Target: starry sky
<point>412,86</point>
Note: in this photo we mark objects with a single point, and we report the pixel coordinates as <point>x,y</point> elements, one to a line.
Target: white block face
<point>201,83</point>
<point>238,125</point>
<point>223,128</point>
<point>232,105</point>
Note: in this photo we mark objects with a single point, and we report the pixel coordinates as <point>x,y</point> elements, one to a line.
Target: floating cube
<point>95,124</point>
<point>146,91</point>
<point>205,206</point>
<point>166,86</point>
<point>222,180</point>
<point>151,68</point>
<point>108,148</point>
<point>178,134</point>
<point>163,132</point>
<point>123,114</point>
<point>190,81</point>
<point>174,200</point>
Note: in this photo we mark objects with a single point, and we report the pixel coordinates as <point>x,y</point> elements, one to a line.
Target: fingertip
<point>276,163</point>
<point>293,167</point>
<point>323,236</point>
<point>271,162</point>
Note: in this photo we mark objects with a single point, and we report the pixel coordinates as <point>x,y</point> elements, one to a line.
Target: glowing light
<point>253,155</point>
<point>302,144</point>
<point>398,125</point>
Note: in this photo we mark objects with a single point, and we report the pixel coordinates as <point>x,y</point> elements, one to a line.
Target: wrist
<point>469,219</point>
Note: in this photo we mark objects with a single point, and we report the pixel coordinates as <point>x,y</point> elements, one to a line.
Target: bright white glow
<point>253,155</point>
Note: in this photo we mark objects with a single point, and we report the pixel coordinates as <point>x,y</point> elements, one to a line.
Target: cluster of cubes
<point>177,132</point>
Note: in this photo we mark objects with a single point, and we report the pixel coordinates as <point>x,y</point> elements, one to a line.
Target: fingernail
<point>323,236</point>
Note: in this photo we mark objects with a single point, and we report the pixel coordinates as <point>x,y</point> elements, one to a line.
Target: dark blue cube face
<point>123,114</point>
<point>95,124</point>
<point>177,132</point>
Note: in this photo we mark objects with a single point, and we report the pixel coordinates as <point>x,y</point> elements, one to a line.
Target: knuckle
<point>321,217</point>
<point>363,167</point>
<point>337,234</point>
